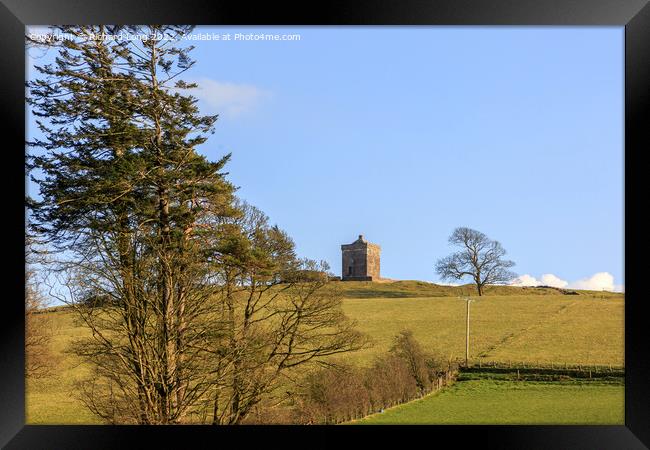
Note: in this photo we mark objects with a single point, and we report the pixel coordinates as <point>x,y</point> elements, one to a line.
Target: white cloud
<point>548,279</point>
<point>229,99</point>
<point>525,280</point>
<point>597,282</point>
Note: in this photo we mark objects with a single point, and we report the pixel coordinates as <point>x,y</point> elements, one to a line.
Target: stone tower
<point>360,261</point>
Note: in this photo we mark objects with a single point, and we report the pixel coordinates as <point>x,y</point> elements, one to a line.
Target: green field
<point>533,325</point>
<point>488,401</point>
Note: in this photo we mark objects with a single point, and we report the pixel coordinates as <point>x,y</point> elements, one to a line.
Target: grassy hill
<point>532,325</point>
<point>560,329</point>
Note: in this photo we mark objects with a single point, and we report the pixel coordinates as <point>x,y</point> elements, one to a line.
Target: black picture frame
<point>633,15</point>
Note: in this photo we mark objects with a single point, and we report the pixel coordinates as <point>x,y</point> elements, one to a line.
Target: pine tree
<point>122,192</point>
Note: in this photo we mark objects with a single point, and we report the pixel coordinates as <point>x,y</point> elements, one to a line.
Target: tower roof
<point>360,242</point>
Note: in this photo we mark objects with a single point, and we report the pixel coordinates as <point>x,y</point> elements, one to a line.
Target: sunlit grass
<point>512,403</point>
<point>558,329</point>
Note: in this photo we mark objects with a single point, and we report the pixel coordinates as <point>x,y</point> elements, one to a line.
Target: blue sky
<point>403,134</point>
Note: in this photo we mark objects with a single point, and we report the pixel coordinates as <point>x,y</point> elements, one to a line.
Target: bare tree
<point>480,258</point>
<point>275,312</point>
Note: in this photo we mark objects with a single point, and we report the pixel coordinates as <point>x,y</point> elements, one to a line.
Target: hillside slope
<point>560,329</point>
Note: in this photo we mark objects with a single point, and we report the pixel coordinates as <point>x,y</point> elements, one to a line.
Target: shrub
<point>334,395</point>
<point>389,382</point>
<point>342,393</point>
<point>407,348</point>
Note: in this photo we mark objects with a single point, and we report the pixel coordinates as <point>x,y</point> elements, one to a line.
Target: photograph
<point>313,225</point>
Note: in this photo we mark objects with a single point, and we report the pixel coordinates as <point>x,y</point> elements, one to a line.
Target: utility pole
<point>468,301</point>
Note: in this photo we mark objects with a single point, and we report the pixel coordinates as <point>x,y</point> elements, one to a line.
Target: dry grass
<point>53,400</point>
